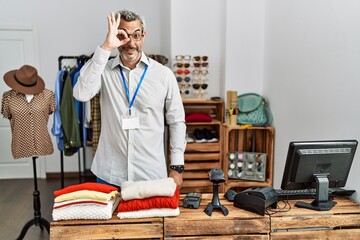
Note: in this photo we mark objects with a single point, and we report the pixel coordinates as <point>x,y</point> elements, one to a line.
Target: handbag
<point>254,110</point>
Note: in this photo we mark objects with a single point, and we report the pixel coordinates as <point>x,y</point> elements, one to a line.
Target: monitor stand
<point>321,202</point>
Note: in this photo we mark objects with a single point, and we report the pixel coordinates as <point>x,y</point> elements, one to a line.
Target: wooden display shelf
<point>203,147</point>
<point>248,139</point>
<point>213,108</point>
<point>115,228</point>
<point>196,176</point>
<point>213,122</point>
<point>340,222</point>
<point>200,158</point>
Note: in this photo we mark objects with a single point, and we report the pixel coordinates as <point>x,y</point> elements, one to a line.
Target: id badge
<point>130,121</point>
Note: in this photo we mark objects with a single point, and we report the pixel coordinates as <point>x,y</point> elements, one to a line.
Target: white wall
<point>197,28</point>
<point>244,46</point>
<point>311,76</point>
<point>303,55</point>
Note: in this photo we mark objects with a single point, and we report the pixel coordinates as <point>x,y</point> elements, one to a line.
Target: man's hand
<point>177,177</point>
<point>112,41</point>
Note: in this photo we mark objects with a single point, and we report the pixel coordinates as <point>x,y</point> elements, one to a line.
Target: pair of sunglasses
<point>184,92</point>
<point>183,57</point>
<point>197,86</point>
<point>180,79</point>
<point>199,79</point>
<point>182,65</point>
<point>180,71</point>
<point>201,64</point>
<point>184,85</point>
<point>200,58</point>
<point>200,72</point>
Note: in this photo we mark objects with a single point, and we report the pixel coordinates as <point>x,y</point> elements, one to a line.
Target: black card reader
<point>192,200</point>
<point>256,199</point>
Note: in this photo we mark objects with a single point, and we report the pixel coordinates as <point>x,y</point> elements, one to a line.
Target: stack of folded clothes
<point>198,117</point>
<point>153,198</point>
<point>85,201</point>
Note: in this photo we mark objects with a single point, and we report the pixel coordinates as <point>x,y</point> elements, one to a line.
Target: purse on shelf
<point>254,110</point>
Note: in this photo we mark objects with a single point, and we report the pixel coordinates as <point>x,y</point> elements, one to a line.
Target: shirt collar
<point>144,59</point>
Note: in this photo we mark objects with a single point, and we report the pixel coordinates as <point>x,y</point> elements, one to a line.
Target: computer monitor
<point>319,165</point>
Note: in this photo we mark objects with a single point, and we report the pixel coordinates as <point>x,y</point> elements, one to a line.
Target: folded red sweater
<point>93,186</point>
<point>197,117</point>
<point>151,202</point>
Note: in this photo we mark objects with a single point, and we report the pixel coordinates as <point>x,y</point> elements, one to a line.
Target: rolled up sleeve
<point>89,81</point>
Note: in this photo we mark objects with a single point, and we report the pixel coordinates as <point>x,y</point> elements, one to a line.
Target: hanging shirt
<point>29,122</point>
<point>56,129</point>
<point>69,119</point>
<point>134,154</point>
<point>96,121</point>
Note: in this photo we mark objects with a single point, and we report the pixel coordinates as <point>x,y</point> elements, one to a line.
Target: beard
<point>129,58</point>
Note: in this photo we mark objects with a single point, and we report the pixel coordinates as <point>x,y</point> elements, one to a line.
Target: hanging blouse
<point>29,122</point>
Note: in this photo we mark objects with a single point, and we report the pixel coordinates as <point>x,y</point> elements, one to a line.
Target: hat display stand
<point>37,220</point>
<point>190,73</point>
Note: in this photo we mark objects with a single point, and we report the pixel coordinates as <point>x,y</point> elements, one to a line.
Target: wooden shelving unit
<point>253,139</point>
<point>201,157</point>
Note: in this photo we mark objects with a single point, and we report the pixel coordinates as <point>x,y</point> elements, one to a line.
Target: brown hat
<point>25,80</point>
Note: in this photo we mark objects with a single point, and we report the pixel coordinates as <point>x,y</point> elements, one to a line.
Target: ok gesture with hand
<point>112,41</point>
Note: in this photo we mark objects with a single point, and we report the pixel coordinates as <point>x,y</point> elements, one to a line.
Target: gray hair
<point>130,16</point>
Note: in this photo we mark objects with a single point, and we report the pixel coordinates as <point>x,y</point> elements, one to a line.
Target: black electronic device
<point>319,165</point>
<point>192,200</point>
<point>294,194</point>
<point>256,199</point>
<point>230,194</point>
<point>216,176</point>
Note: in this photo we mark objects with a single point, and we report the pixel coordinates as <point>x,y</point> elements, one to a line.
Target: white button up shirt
<point>136,154</point>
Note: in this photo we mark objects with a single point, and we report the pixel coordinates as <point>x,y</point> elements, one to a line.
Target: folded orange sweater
<point>151,202</point>
<point>92,186</point>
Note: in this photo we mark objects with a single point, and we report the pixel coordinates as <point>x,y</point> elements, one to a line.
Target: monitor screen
<point>318,164</point>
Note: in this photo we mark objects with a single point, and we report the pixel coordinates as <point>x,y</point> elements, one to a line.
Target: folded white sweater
<point>153,212</point>
<point>84,211</point>
<point>145,189</point>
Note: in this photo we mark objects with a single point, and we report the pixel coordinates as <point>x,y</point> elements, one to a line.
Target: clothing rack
<point>79,60</point>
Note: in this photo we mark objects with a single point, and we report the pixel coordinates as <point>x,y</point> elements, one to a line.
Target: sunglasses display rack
<point>247,165</point>
<point>191,75</point>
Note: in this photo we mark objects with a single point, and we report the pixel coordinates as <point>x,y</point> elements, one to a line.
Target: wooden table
<point>238,224</point>
<point>341,222</point>
<point>115,228</point>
